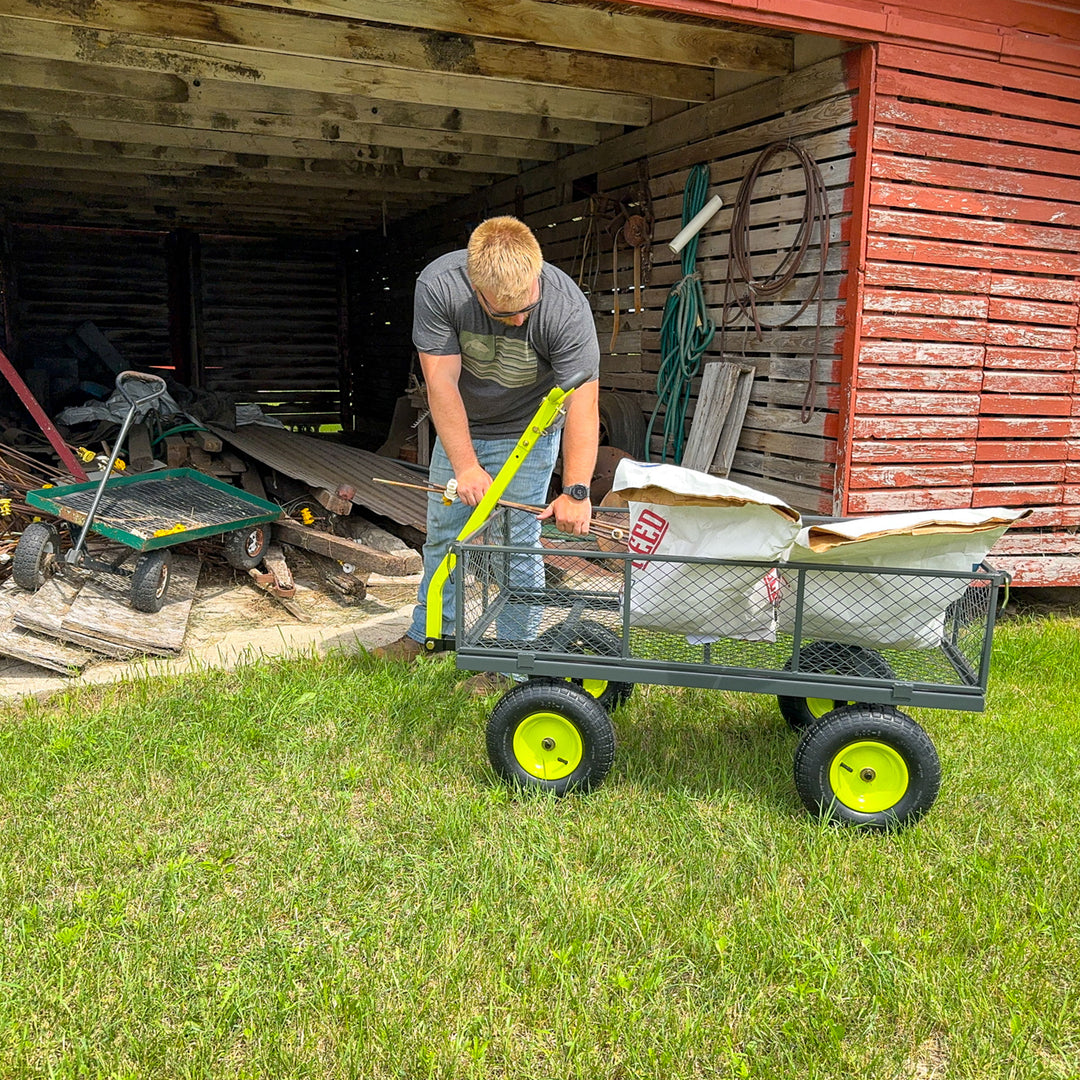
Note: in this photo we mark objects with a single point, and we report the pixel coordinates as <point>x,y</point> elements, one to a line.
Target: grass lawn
<point>305,869</point>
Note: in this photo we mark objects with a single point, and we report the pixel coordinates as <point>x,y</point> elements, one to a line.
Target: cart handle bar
<point>157,388</point>
<point>552,406</point>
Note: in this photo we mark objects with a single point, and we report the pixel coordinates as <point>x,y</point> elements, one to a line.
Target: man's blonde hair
<point>503,260</point>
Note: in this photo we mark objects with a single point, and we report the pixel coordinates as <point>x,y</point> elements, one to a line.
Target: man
<point>496,328</point>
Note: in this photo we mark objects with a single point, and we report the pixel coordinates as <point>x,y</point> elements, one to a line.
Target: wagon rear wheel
<point>585,637</point>
<point>867,765</point>
<point>36,555</point>
<point>830,658</point>
<point>150,581</point>
<point>245,548</point>
<point>550,736</point>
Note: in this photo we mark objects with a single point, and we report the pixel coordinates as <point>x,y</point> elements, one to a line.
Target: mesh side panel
<point>920,627</point>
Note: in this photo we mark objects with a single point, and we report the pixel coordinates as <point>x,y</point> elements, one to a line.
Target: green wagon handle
<point>552,406</point>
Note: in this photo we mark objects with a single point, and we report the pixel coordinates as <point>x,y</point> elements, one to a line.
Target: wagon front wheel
<point>867,765</point>
<point>150,581</point>
<point>550,736</point>
<point>35,555</point>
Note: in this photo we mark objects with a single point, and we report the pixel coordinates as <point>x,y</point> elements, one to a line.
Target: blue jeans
<point>444,523</point>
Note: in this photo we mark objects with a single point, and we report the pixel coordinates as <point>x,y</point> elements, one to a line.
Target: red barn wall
<point>965,388</point>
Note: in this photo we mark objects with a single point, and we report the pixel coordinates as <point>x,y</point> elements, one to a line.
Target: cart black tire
<point>830,658</point>
<point>546,735</point>
<point>870,766</point>
<point>245,548</point>
<point>36,555</point>
<point>586,637</point>
<point>150,581</point>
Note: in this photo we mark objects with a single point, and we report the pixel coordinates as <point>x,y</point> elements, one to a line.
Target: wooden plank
<point>231,63</point>
<point>926,329</point>
<point>612,33</point>
<point>913,450</point>
<point>366,560</point>
<point>1018,495</point>
<point>907,404</point>
<point>1029,359</point>
<point>279,31</point>
<point>883,243</point>
<point>953,66</point>
<point>923,354</point>
<point>718,417</point>
<point>1040,570</point>
<point>981,231</point>
<point>102,610</point>
<point>910,475</point>
<point>912,302</point>
<point>1015,472</point>
<point>930,171</point>
<point>43,612</point>
<point>908,378</point>
<point>1027,382</point>
<point>1021,450</point>
<point>880,502</point>
<point>33,649</point>
<point>1017,542</point>
<point>977,138</point>
<point>1024,405</point>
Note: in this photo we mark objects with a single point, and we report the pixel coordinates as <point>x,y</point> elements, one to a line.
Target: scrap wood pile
<point>85,615</point>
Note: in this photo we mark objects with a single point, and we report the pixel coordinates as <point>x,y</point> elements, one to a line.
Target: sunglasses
<point>512,314</point>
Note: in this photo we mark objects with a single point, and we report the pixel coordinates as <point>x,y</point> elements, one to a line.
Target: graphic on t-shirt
<point>510,362</point>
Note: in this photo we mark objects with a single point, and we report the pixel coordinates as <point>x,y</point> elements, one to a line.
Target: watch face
<point>578,492</point>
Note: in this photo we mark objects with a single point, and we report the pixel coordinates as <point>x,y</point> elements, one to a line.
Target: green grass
<point>306,869</point>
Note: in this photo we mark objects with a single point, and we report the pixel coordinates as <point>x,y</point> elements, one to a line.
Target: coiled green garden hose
<point>685,333</point>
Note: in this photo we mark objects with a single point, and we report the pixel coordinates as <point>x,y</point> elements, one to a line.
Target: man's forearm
<point>581,435</point>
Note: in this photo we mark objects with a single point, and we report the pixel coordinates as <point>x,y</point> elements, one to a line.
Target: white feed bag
<point>880,610</point>
<point>683,512</point>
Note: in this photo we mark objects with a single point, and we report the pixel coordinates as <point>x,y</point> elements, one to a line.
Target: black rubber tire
<point>872,735</point>
<point>830,658</point>
<point>150,581</point>
<point>584,637</point>
<point>36,555</point>
<point>245,548</point>
<point>578,725</point>
<point>622,422</point>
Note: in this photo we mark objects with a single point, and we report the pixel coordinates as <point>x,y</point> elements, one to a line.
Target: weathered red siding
<point>965,390</point>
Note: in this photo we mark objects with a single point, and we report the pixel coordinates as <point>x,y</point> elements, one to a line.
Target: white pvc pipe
<point>695,224</point>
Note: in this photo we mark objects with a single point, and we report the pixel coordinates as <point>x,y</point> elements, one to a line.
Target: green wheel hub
<point>869,776</point>
<point>548,745</point>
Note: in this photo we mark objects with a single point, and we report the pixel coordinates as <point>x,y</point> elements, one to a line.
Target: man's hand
<point>571,516</point>
<point>472,484</point>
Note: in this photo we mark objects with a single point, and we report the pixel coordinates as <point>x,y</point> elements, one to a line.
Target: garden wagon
<point>565,620</point>
<point>147,512</point>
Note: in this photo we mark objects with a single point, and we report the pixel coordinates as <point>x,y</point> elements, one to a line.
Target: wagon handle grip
<point>153,386</point>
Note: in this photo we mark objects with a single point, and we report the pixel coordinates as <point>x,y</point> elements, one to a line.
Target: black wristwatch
<point>577,492</point>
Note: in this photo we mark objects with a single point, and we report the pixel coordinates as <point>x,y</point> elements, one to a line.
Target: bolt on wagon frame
<point>844,649</point>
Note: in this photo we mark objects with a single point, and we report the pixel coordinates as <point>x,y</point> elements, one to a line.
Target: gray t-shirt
<point>505,370</point>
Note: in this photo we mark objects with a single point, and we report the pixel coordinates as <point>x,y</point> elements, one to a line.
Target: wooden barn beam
<point>264,30</point>
<point>572,26</point>
<point>50,133</point>
<point>229,63</point>
<point>64,106</point>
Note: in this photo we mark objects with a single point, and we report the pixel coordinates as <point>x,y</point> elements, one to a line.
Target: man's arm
<point>581,434</point>
<point>441,374</point>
